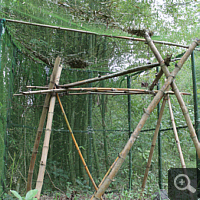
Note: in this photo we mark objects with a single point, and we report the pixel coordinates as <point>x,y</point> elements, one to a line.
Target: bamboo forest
<point>99,99</point>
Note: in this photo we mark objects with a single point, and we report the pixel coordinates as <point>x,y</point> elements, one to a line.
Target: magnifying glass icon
<point>182,182</point>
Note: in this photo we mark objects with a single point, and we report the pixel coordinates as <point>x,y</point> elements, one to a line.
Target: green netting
<point>100,123</point>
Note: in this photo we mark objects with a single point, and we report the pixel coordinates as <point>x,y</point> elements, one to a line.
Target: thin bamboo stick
<point>93,33</point>
<point>76,145</point>
<point>174,87</point>
<point>145,116</point>
<point>54,76</point>
<point>176,134</point>
<point>153,144</point>
<point>38,87</point>
<point>45,149</point>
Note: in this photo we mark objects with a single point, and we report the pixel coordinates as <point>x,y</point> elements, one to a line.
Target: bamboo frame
<point>45,149</point>
<point>77,147</point>
<point>174,87</point>
<point>152,105</point>
<point>93,33</point>
<point>120,159</point>
<point>54,76</point>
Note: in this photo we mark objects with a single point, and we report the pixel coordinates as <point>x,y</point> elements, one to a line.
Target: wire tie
<point>96,197</point>
<point>171,76</point>
<point>146,111</point>
<point>193,137</point>
<point>162,91</point>
<point>197,41</point>
<point>119,155</point>
<point>176,65</point>
<point>110,179</point>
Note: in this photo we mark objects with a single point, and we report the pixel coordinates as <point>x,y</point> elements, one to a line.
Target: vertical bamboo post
<point>54,76</point>
<point>159,140</point>
<point>153,143</point>
<point>147,112</point>
<point>196,113</point>
<point>45,149</point>
<point>129,130</point>
<point>90,134</point>
<point>176,134</point>
<point>103,114</point>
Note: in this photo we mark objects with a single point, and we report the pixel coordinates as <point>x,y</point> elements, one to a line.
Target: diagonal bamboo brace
<point>153,143</point>
<point>54,76</point>
<point>176,134</point>
<point>151,107</point>
<point>76,144</point>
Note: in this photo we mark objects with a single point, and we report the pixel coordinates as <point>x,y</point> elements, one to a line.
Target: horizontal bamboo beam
<point>97,90</point>
<point>113,75</point>
<point>93,33</point>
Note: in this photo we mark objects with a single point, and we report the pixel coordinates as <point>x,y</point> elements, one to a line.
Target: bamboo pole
<point>45,149</point>
<point>105,90</point>
<point>116,74</point>
<point>76,145</point>
<point>187,118</point>
<point>153,143</point>
<point>93,33</point>
<point>54,76</point>
<point>174,87</point>
<point>176,134</point>
<point>145,116</point>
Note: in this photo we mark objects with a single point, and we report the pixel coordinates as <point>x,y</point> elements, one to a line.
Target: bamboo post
<point>176,134</point>
<point>196,114</point>
<point>54,76</point>
<point>45,149</point>
<point>90,134</point>
<point>174,87</point>
<point>77,147</point>
<point>129,130</point>
<point>147,112</point>
<point>153,143</point>
<point>160,181</point>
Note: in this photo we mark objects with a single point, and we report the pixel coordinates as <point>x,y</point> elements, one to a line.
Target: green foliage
<point>29,196</point>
